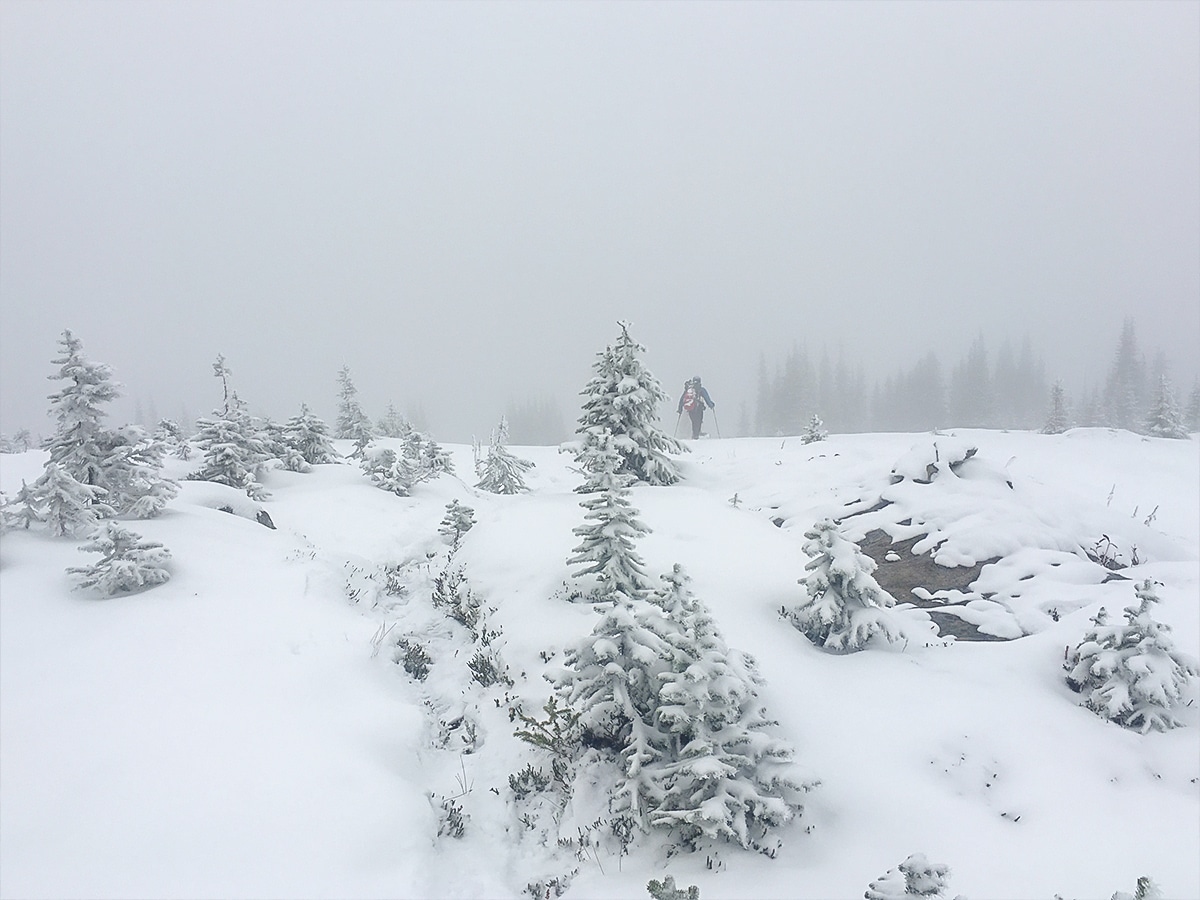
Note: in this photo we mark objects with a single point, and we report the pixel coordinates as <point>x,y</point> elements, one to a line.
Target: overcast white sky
<point>459,200</point>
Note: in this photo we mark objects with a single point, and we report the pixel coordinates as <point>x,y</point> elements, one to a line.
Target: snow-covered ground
<point>245,731</point>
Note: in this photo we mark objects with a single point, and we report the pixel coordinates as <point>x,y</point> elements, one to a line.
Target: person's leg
<point>697,416</point>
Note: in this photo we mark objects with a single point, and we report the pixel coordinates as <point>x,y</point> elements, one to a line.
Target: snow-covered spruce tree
<point>428,455</point>
<point>71,507</point>
<point>814,431</point>
<point>127,563</point>
<point>610,527</point>
<point>622,400</point>
<point>610,682</point>
<point>1193,408</point>
<point>845,607</point>
<point>133,473</point>
<point>26,508</point>
<point>915,877</point>
<point>1131,674</point>
<point>392,471</point>
<point>308,435</point>
<point>234,450</point>
<point>722,776</point>
<point>170,434</point>
<point>1057,420</point>
<point>18,443</point>
<point>352,423</point>
<point>501,472</point>
<point>459,519</point>
<point>1165,418</point>
<point>80,443</point>
<point>393,425</point>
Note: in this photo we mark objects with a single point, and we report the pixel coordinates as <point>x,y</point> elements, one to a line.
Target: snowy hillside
<point>261,725</point>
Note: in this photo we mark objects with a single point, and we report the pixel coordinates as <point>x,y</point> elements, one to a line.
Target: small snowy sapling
<point>501,472</point>
<point>845,607</point>
<point>610,528</point>
<point>814,431</point>
<point>915,877</point>
<point>127,563</point>
<point>1131,674</point>
<point>459,519</point>
<point>621,400</point>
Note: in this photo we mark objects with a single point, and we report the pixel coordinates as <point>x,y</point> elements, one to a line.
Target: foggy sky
<point>460,200</point>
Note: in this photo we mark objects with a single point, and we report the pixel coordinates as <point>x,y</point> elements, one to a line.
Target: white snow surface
<point>244,731</point>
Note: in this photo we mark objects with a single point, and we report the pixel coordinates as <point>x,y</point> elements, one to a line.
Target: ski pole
<point>715,422</point>
<point>675,433</point>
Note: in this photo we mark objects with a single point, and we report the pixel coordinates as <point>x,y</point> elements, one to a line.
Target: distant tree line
<point>1005,389</point>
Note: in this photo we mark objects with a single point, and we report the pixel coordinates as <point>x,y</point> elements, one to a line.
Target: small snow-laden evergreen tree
<point>71,507</point>
<point>170,434</point>
<point>611,681</point>
<point>845,607</point>
<point>915,877</point>
<point>723,776</point>
<point>1193,408</point>
<point>502,472</point>
<point>18,443</point>
<point>27,508</point>
<point>459,519</point>
<point>133,474</point>
<point>1057,420</point>
<point>391,471</point>
<point>393,425</point>
<point>814,431</point>
<point>427,454</point>
<point>307,435</point>
<point>1131,674</point>
<point>1165,418</point>
<point>234,450</point>
<point>127,563</point>
<point>610,527</point>
<point>622,400</point>
<point>352,423</point>
<point>79,443</point>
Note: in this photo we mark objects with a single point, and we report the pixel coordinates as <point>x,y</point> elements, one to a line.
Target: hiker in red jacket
<point>694,401</point>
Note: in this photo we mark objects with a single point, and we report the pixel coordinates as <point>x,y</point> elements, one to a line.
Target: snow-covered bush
<point>814,431</point>
<point>389,470</point>
<point>1131,674</point>
<point>666,890</point>
<point>501,472</point>
<point>610,526</point>
<point>915,877</point>
<point>621,400</point>
<point>459,519</point>
<point>127,563</point>
<point>845,607</point>
<point>419,459</point>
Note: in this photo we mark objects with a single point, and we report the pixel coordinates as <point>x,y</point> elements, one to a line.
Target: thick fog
<point>459,201</point>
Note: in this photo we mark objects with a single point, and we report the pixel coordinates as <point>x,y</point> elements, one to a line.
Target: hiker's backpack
<point>691,399</point>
